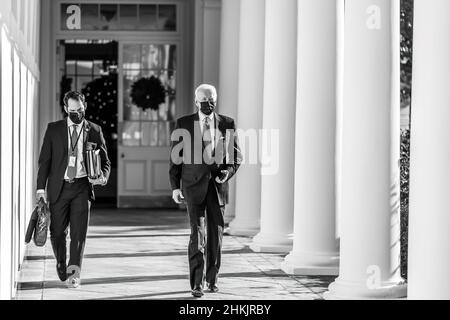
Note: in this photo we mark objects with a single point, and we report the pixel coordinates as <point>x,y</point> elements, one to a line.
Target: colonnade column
<point>315,251</point>
<point>370,193</point>
<point>277,180</point>
<point>250,101</point>
<point>228,77</point>
<point>429,238</point>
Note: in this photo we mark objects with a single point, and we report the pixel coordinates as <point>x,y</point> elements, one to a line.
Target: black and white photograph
<point>224,155</point>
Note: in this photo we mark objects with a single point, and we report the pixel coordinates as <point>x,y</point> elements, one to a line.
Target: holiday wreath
<point>148,93</point>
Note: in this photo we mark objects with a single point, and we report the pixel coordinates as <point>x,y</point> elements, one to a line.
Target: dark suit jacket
<point>53,159</point>
<point>187,170</point>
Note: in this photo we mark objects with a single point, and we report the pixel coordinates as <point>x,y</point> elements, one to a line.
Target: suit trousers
<point>71,209</point>
<point>205,245</point>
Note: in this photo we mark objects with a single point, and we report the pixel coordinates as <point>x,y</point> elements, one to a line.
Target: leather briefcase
<point>31,225</point>
<point>39,224</point>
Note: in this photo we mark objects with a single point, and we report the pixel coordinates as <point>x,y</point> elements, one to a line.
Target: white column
<point>315,251</point>
<point>228,76</point>
<point>340,63</point>
<point>429,219</point>
<point>277,181</point>
<point>370,235</point>
<point>250,100</point>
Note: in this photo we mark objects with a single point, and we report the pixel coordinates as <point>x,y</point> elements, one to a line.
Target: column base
<point>245,228</point>
<point>228,217</point>
<point>271,243</point>
<point>320,264</point>
<point>343,290</point>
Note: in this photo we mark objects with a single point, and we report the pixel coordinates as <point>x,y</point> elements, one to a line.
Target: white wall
<point>19,74</point>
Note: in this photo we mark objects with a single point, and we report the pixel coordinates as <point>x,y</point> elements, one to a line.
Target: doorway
<point>90,66</point>
<point>134,62</point>
<point>147,113</point>
<point>130,90</point>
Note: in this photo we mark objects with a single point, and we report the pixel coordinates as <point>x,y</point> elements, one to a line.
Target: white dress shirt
<point>81,171</point>
<point>212,127</point>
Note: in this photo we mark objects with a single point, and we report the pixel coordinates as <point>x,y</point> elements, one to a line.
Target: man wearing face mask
<point>62,181</point>
<point>199,174</point>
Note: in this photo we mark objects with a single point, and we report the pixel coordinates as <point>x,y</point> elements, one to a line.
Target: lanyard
<point>72,146</point>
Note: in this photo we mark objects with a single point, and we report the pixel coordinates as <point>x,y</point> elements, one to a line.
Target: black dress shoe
<point>61,269</point>
<point>197,292</point>
<point>213,288</point>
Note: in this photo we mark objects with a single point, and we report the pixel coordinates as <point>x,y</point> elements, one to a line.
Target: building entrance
<point>90,66</point>
<point>130,61</point>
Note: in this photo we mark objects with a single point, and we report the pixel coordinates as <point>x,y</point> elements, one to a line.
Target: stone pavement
<point>142,254</point>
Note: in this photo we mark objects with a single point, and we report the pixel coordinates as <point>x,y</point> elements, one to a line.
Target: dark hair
<point>74,95</point>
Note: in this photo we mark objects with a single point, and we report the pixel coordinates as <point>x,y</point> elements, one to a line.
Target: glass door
<point>147,110</point>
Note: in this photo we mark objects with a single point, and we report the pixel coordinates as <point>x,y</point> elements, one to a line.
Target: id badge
<point>72,160</point>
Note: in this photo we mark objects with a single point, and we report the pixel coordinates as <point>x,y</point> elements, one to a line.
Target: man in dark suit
<point>62,171</point>
<point>205,155</point>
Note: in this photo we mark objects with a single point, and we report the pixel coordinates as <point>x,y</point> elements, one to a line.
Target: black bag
<point>38,225</point>
<point>31,225</point>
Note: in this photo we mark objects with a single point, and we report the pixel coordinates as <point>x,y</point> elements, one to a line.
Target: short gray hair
<point>206,87</point>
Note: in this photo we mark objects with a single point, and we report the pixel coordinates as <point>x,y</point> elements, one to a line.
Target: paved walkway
<point>142,254</point>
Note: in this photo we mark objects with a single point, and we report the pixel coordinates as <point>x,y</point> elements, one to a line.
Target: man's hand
<point>223,177</point>
<point>99,181</point>
<point>177,196</point>
<point>41,194</point>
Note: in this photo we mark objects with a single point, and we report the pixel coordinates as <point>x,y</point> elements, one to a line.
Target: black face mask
<point>207,107</point>
<point>76,117</point>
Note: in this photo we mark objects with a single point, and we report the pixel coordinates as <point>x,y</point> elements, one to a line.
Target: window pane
<point>130,111</point>
<point>70,67</point>
<point>128,16</point>
<point>161,56</point>
<point>149,115</point>
<point>150,134</point>
<point>89,17</point>
<point>164,134</point>
<point>167,17</point>
<point>63,15</point>
<point>168,80</point>
<point>132,56</point>
<point>124,16</point>
<point>109,17</point>
<point>172,110</point>
<point>131,134</point>
<point>163,111</point>
<point>171,82</point>
<point>98,67</point>
<point>147,17</point>
<point>152,56</point>
<point>84,67</point>
<point>158,60</point>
